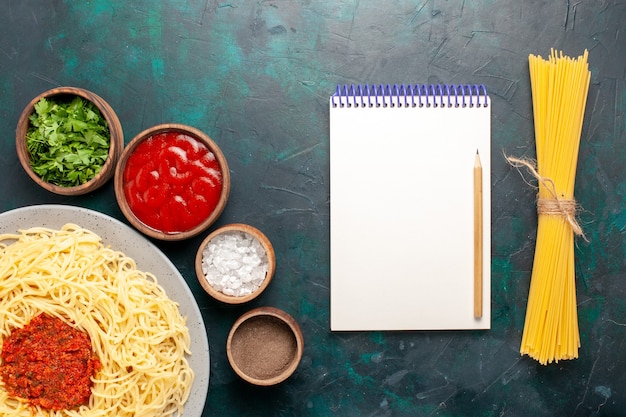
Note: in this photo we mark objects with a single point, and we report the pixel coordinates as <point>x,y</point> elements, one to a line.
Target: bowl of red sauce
<point>172,182</point>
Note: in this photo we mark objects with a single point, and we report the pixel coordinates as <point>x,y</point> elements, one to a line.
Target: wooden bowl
<point>115,148</point>
<point>218,235</point>
<point>264,346</point>
<point>148,216</point>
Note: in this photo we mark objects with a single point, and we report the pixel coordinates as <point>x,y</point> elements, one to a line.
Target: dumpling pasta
<point>137,333</point>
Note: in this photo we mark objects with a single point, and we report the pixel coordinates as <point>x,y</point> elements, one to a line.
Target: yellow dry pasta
<point>136,331</point>
<point>559,94</point>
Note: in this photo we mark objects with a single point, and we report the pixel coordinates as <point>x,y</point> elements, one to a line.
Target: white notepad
<point>402,207</point>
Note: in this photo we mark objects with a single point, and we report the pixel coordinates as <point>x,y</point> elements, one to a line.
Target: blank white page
<point>402,215</point>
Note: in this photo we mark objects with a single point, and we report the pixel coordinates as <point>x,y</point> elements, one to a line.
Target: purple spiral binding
<point>410,95</point>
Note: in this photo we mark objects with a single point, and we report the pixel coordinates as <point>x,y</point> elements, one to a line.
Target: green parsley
<point>68,141</point>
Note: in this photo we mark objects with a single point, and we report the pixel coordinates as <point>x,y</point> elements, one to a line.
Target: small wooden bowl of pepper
<point>172,182</point>
<point>265,346</point>
<point>68,140</point>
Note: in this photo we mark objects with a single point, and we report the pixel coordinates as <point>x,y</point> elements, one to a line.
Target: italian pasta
<point>136,331</point>
<point>559,91</point>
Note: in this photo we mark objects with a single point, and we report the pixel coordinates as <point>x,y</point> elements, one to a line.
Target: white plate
<point>148,257</point>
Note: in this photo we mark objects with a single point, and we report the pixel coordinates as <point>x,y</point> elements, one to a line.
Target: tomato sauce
<point>172,182</point>
<point>49,363</point>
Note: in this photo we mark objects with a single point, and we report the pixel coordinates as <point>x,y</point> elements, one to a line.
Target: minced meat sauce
<point>48,363</point>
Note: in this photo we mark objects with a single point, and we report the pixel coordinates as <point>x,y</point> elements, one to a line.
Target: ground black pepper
<point>263,347</point>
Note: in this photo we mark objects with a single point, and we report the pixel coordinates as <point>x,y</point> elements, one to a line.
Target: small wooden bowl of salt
<point>265,346</point>
<point>235,263</point>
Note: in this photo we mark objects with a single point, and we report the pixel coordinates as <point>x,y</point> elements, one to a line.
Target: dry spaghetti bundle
<point>559,93</point>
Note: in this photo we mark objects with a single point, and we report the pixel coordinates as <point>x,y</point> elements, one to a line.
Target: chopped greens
<point>68,141</point>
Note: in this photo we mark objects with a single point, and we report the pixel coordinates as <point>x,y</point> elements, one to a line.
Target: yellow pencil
<point>478,237</point>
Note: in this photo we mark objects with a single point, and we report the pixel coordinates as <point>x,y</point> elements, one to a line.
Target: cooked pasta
<point>559,92</point>
<point>136,331</point>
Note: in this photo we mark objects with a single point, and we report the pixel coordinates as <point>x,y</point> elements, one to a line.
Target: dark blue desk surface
<point>256,76</point>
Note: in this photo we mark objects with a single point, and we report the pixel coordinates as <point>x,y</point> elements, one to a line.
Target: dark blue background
<point>256,77</point>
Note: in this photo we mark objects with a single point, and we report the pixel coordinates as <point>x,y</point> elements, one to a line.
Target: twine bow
<point>554,206</point>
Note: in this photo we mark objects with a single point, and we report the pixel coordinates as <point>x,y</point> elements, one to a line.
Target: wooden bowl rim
<point>271,267</point>
<point>284,317</point>
<point>119,175</point>
<point>116,141</point>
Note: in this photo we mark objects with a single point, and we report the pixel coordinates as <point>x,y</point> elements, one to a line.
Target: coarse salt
<point>235,263</point>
